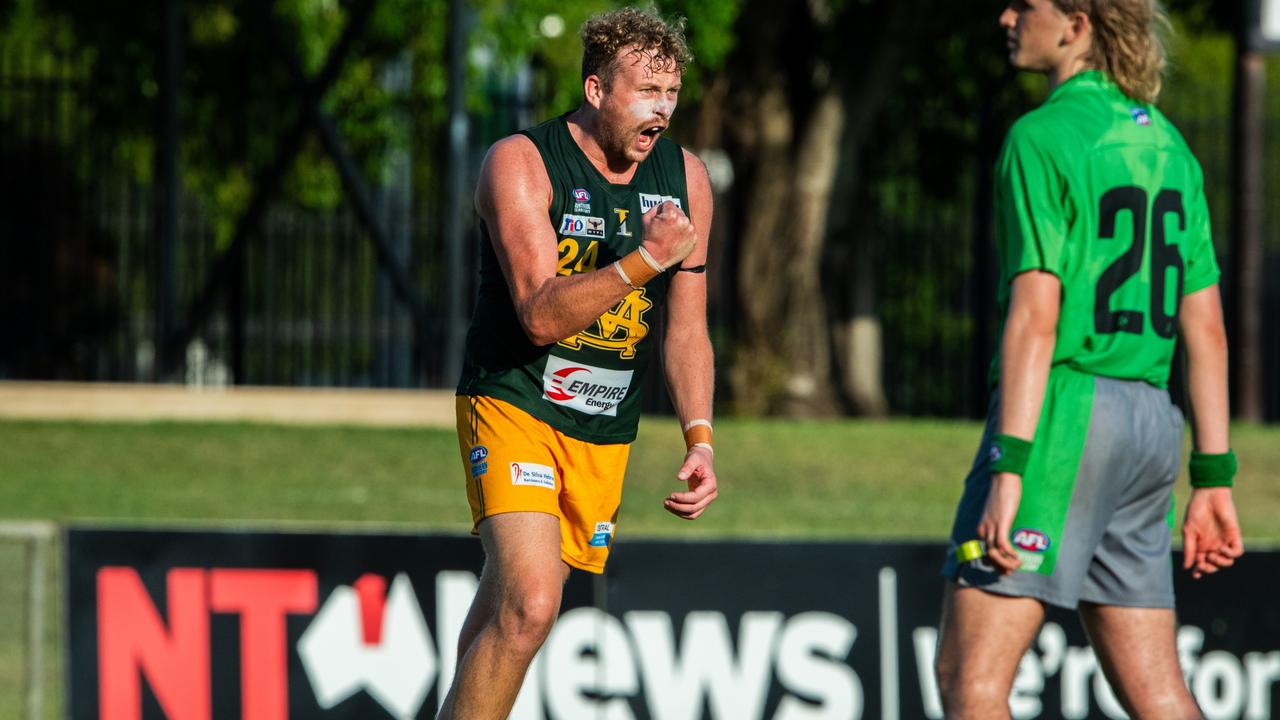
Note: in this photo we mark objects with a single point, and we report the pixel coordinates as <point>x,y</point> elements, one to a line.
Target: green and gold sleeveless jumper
<point>586,386</point>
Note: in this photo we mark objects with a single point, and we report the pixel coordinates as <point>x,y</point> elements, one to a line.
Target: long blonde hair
<point>1128,42</point>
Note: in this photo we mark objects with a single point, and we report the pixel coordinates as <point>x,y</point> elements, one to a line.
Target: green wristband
<point>1218,470</point>
<point>1009,454</point>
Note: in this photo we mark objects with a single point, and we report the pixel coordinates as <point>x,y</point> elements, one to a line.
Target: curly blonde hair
<point>608,36</point>
<point>1128,42</point>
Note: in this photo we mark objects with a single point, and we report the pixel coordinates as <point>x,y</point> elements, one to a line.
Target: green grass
<point>818,479</point>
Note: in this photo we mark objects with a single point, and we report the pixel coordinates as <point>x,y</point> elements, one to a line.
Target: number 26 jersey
<point>1101,191</point>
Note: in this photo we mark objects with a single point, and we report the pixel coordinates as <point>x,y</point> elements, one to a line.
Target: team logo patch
<point>582,226</point>
<point>585,388</point>
<point>533,474</point>
<point>995,454</point>
<point>602,535</point>
<point>622,221</point>
<point>649,202</point>
<point>1030,540</point>
<point>581,200</point>
<point>1140,116</point>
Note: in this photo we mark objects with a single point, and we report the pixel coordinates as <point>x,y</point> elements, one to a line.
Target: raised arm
<point>513,198</point>
<point>687,354</point>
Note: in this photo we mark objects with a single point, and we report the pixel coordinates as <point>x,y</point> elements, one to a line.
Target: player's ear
<point>593,90</point>
<point>1078,26</point>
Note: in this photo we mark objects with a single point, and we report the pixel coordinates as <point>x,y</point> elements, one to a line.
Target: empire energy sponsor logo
<point>649,202</point>
<point>582,226</point>
<point>585,388</point>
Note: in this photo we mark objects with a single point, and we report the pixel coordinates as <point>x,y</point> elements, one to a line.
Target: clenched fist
<point>668,234</point>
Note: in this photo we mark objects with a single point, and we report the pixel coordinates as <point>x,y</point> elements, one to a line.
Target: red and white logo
<point>1031,540</point>
<point>365,638</point>
<point>585,388</point>
<point>527,473</point>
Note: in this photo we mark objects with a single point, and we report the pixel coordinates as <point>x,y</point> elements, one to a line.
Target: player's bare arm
<point>513,198</point>
<point>1211,531</point>
<point>687,353</point>
<point>1026,353</point>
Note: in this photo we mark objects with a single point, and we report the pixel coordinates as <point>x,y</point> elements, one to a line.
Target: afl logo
<point>581,195</point>
<point>1031,540</point>
<point>479,453</point>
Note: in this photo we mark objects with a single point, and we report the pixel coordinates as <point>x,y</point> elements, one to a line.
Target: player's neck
<point>584,128</point>
<point>1066,70</point>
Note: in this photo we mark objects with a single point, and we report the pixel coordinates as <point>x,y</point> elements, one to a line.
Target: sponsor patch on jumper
<point>649,202</point>
<point>582,226</point>
<point>1030,540</point>
<point>622,221</point>
<point>533,474</point>
<point>585,388</point>
<point>1140,116</point>
<point>602,535</point>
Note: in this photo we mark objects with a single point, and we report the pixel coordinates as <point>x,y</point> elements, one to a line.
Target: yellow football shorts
<point>517,463</point>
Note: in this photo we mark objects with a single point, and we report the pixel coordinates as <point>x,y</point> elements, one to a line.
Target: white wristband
<point>657,266</point>
<point>704,445</point>
<point>695,423</point>
<point>623,274</point>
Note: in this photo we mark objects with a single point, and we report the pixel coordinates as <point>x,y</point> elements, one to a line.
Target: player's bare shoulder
<point>698,183</point>
<point>512,172</point>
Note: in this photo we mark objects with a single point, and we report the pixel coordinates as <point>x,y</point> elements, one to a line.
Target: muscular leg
<point>984,636</point>
<point>1137,650</point>
<point>515,607</point>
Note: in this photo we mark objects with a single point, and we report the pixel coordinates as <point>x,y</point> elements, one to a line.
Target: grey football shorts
<point>1114,542</point>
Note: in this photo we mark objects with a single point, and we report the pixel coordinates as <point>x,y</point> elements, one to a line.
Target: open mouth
<point>649,135</point>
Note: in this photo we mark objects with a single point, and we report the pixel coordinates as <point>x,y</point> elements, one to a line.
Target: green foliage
<point>238,100</point>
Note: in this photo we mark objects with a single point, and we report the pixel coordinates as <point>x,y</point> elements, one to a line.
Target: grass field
<point>819,479</point>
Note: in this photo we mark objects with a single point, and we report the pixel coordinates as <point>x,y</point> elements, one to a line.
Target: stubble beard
<point>617,133</point>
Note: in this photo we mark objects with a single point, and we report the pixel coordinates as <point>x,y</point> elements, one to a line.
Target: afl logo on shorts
<point>1030,540</point>
<point>479,453</point>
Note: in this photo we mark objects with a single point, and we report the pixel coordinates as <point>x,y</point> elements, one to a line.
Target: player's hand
<point>668,234</point>
<point>700,478</point>
<point>1210,532</point>
<point>997,520</point>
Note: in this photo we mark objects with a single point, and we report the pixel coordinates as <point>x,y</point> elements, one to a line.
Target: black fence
<point>309,304</point>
